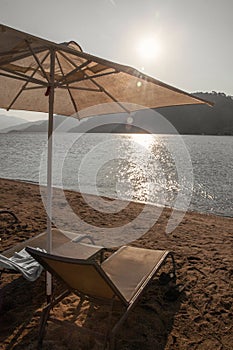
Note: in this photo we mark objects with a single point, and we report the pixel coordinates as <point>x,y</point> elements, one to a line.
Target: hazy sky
<point>184,43</point>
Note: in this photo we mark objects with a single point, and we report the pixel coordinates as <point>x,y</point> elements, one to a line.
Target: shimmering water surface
<point>193,171</point>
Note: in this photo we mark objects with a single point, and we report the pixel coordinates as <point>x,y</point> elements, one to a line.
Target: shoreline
<point>133,201</point>
<point>201,318</point>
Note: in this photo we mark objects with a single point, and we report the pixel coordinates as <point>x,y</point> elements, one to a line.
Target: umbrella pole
<point>50,169</point>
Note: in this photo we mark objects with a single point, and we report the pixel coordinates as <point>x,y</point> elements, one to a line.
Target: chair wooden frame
<point>109,292</point>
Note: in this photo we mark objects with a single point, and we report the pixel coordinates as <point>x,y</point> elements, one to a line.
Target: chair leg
<point>45,316</point>
<point>43,322</point>
<point>173,265</point>
<point>108,332</point>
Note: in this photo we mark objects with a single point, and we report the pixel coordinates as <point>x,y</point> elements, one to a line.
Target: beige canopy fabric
<point>80,80</point>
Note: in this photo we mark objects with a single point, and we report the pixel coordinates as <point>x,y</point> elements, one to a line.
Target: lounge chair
<point>122,277</point>
<point>17,260</point>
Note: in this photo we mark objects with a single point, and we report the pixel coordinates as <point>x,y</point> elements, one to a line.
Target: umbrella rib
<point>24,87</point>
<point>71,62</point>
<point>79,88</point>
<point>64,77</point>
<point>17,75</point>
<point>10,60</point>
<point>72,72</point>
<point>37,61</point>
<point>33,87</point>
<point>77,68</point>
<point>109,95</point>
<point>101,89</point>
<point>23,78</point>
<point>88,77</point>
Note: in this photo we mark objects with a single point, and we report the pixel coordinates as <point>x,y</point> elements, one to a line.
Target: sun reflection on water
<point>145,140</point>
<point>142,170</point>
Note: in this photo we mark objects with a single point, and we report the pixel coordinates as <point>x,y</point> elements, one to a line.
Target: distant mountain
<point>22,127</point>
<point>188,119</point>
<point>114,128</point>
<point>7,121</point>
<point>202,119</point>
<point>42,125</point>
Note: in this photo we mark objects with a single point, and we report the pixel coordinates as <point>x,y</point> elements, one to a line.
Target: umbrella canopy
<point>31,66</point>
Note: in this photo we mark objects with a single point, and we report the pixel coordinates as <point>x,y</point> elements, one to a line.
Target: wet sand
<point>200,318</point>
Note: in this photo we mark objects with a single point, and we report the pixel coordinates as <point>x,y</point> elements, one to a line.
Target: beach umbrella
<point>40,75</point>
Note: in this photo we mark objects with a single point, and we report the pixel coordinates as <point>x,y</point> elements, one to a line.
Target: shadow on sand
<point>147,327</point>
<point>19,304</point>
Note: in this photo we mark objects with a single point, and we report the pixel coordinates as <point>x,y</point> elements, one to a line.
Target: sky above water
<point>185,43</point>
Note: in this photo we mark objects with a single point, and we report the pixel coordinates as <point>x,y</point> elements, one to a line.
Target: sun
<point>148,48</point>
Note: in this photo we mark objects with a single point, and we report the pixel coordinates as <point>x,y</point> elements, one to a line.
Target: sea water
<point>190,170</point>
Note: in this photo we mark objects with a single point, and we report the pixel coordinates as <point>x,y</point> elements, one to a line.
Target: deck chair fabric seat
<point>64,243</point>
<point>59,237</point>
<point>122,277</point>
<point>129,267</point>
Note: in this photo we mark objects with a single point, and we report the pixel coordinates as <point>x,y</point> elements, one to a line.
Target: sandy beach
<point>201,318</point>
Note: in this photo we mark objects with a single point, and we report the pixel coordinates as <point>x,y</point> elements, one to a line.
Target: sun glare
<point>148,48</point>
<point>145,140</point>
